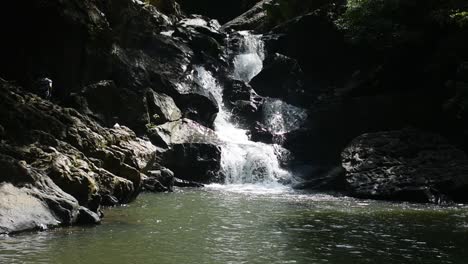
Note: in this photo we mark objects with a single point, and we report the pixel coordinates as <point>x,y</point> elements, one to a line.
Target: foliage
<point>283,10</point>
<point>383,21</point>
<point>460,18</point>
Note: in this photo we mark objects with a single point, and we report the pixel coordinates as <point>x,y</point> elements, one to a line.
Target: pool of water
<point>252,224</point>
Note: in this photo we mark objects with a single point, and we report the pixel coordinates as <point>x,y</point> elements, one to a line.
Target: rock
<point>281,77</point>
<point>281,117</point>
<point>200,108</point>
<point>78,25</point>
<point>259,133</point>
<point>30,200</point>
<point>162,108</point>
<point>180,132</point>
<point>169,7</point>
<point>109,200</point>
<point>100,100</point>
<point>159,181</point>
<point>183,183</point>
<point>222,11</point>
<point>192,150</point>
<point>199,162</point>
<point>22,211</point>
<point>323,179</point>
<point>235,90</point>
<point>408,165</point>
<point>65,159</point>
<point>202,34</point>
<point>254,18</point>
<point>246,112</point>
<point>325,61</point>
<point>87,217</point>
<point>243,100</point>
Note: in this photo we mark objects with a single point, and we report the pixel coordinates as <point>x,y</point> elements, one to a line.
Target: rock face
<point>281,77</point>
<point>253,18</point>
<point>63,162</point>
<point>223,11</point>
<point>193,151</point>
<point>407,165</point>
<point>195,162</point>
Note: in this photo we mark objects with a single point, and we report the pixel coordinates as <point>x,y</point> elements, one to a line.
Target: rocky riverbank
<point>130,109</point>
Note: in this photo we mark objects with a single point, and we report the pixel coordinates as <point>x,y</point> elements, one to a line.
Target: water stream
<point>252,218</point>
<point>243,162</point>
<point>263,225</point>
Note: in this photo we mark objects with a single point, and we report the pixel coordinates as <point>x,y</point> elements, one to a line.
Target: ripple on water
<point>248,224</point>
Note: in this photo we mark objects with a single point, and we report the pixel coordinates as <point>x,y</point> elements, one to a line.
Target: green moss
<point>460,18</point>
<point>151,126</point>
<point>156,3</point>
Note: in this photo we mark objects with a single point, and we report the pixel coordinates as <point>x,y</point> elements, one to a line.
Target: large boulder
<point>406,165</point>
<point>281,77</point>
<point>193,151</point>
<point>66,160</point>
<point>30,200</point>
<point>243,101</point>
<point>162,108</point>
<point>161,180</point>
<point>180,132</point>
<point>68,41</point>
<point>194,162</point>
<point>254,18</point>
<point>222,11</point>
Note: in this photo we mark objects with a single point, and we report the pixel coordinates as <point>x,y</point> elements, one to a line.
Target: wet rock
<point>243,100</point>
<point>246,112</point>
<point>235,90</point>
<point>408,165</point>
<point>325,61</point>
<point>78,25</point>
<point>202,34</point>
<point>183,183</point>
<point>222,11</point>
<point>87,217</point>
<point>180,132</point>
<point>254,18</point>
<point>192,150</point>
<point>281,77</point>
<point>259,133</point>
<point>55,146</point>
<point>200,108</point>
<point>109,200</point>
<point>22,211</point>
<point>194,162</point>
<point>30,200</point>
<point>100,100</point>
<point>162,108</point>
<point>159,181</point>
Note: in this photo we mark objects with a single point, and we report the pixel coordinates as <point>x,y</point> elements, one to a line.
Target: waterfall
<point>250,62</point>
<point>242,161</point>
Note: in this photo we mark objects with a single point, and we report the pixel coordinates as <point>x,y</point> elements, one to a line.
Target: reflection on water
<point>222,224</point>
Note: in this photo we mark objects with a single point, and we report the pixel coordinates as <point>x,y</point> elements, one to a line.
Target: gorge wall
<point>136,102</point>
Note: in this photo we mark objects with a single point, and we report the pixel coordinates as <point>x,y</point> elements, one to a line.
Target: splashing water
<point>250,62</point>
<point>281,117</point>
<point>243,161</point>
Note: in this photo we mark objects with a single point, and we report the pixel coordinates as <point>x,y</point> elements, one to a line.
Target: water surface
<point>249,224</point>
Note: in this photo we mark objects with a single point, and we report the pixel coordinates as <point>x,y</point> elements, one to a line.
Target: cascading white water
<point>281,118</point>
<point>250,62</point>
<point>242,161</point>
